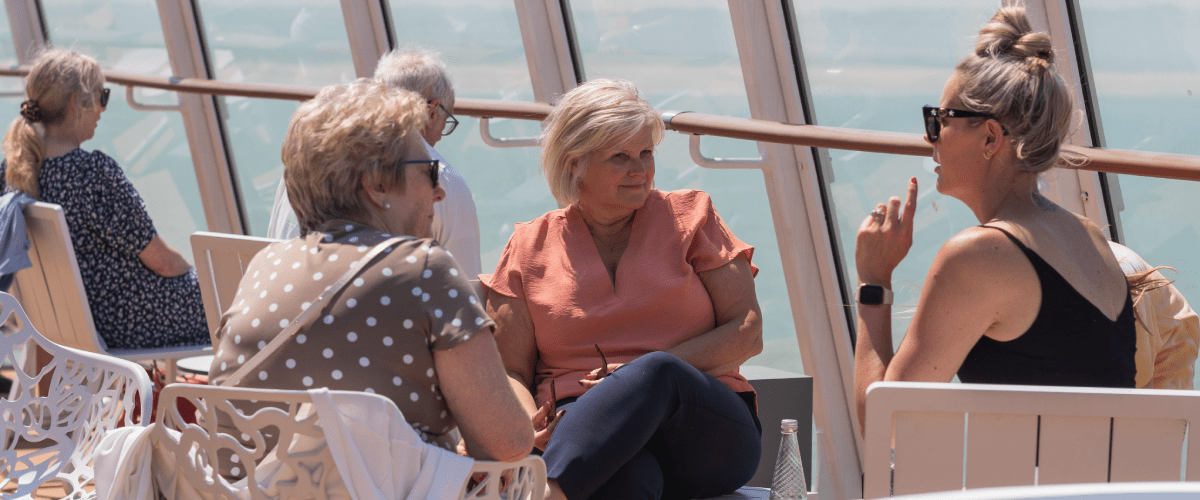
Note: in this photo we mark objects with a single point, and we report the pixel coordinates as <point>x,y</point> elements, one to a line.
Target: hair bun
<point>1033,45</point>
<point>1010,34</point>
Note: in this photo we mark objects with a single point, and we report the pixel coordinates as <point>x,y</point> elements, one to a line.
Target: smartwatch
<point>873,295</point>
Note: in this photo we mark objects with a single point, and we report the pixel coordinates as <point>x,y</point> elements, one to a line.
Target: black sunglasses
<point>433,168</point>
<point>104,92</point>
<point>933,116</point>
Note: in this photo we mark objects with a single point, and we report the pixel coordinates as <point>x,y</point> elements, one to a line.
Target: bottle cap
<point>789,424</point>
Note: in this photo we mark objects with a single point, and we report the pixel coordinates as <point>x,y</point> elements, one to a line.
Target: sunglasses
<point>933,119</point>
<point>104,92</point>
<point>433,168</point>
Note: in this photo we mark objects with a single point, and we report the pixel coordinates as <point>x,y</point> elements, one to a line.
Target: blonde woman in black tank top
<point>994,303</point>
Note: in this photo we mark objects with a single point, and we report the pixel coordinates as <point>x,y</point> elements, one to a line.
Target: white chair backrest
<point>1024,435</point>
<point>87,394</point>
<point>221,260</point>
<point>307,465</point>
<point>53,292</point>
<point>52,289</point>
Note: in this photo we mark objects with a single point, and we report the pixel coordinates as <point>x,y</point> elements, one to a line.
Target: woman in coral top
<point>623,318</point>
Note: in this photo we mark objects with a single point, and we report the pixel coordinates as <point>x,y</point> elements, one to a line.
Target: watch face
<point>871,295</point>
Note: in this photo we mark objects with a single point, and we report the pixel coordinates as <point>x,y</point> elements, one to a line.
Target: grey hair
<point>418,70</point>
<point>591,117</point>
<point>1010,76</point>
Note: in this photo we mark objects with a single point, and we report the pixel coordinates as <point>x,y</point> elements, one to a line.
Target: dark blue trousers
<point>655,428</point>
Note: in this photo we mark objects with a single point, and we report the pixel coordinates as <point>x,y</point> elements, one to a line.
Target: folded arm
<point>738,335</point>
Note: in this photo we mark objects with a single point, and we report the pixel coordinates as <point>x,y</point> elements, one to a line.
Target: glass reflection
<point>868,68</point>
<point>8,55</point>
<point>1145,62</point>
<point>682,56</point>
<point>480,42</point>
<point>150,146</point>
<point>300,42</point>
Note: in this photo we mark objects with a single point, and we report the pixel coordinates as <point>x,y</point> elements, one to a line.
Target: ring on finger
<point>877,213</point>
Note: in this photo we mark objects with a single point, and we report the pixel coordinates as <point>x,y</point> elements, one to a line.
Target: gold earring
<point>987,156</point>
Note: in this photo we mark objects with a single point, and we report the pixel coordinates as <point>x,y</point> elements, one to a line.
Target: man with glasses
<point>455,223</point>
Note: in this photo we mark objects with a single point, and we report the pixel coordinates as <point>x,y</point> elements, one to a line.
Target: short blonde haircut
<point>1010,77</point>
<point>417,70</point>
<point>56,75</point>
<point>343,135</point>
<point>596,115</point>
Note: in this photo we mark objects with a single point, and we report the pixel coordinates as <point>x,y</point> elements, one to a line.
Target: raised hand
<point>884,238</point>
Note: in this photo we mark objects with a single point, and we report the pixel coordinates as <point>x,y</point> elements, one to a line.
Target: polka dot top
<point>377,335</point>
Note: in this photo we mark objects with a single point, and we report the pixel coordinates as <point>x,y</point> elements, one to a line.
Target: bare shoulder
<point>1094,231</point>
<point>982,284</point>
<point>979,248</point>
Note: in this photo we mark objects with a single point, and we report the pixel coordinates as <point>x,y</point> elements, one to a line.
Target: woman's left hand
<point>593,378</point>
<point>884,238</point>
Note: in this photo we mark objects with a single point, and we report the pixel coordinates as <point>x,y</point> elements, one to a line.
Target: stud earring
<point>387,205</point>
<point>987,156</point>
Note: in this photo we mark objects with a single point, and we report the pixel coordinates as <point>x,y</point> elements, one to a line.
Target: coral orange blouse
<point>658,301</point>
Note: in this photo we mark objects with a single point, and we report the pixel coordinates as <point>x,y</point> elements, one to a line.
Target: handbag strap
<point>308,314</point>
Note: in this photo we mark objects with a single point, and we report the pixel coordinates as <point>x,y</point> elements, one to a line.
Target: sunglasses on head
<point>433,168</point>
<point>933,115</point>
<point>104,92</point>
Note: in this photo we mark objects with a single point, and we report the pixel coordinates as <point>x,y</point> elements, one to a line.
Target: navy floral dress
<point>132,306</point>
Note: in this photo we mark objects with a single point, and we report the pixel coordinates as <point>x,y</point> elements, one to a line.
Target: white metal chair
<point>52,439</point>
<point>955,436</point>
<point>1094,491</point>
<point>53,294</point>
<point>308,464</point>
<point>221,260</point>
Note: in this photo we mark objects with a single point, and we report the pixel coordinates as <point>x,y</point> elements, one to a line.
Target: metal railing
<point>1114,161</point>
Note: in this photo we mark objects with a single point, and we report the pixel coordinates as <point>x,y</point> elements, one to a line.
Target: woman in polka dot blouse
<point>409,327</point>
<point>634,309</point>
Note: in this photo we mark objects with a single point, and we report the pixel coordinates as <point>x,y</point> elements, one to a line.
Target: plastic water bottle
<point>788,483</point>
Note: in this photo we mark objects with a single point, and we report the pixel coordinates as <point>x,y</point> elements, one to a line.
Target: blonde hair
<point>593,116</point>
<point>418,70</point>
<point>1010,76</point>
<point>343,135</point>
<point>56,75</point>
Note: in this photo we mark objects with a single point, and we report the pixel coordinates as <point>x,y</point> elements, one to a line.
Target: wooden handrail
<point>1114,161</point>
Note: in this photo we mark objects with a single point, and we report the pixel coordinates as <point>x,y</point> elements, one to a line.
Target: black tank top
<point>1071,342</point>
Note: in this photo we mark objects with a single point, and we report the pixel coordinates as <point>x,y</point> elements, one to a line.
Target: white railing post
<point>367,33</point>
<point>551,64</point>
<point>27,29</point>
<point>806,250</point>
<point>202,120</point>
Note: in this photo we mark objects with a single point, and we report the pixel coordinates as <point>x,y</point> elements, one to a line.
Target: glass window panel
<point>872,64</point>
<point>12,92</point>
<point>683,56</point>
<point>297,42</point>
<point>480,42</point>
<point>150,146</point>
<point>8,54</point>
<point>1145,61</point>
